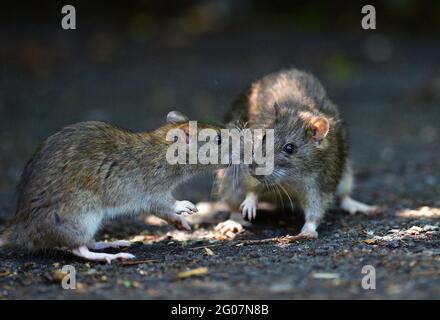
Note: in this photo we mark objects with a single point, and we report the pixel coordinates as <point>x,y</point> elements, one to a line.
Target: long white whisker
<point>288,196</point>
<point>278,193</point>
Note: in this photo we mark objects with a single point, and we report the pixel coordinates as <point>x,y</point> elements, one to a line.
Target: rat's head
<point>196,146</point>
<point>300,139</point>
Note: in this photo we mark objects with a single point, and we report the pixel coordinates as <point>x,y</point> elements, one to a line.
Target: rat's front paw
<point>249,208</point>
<point>184,206</point>
<point>308,232</point>
<point>178,221</point>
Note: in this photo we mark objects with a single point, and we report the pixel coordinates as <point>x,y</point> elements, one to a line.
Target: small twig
<point>209,245</point>
<point>136,262</point>
<point>283,240</point>
<point>290,239</point>
<point>258,241</point>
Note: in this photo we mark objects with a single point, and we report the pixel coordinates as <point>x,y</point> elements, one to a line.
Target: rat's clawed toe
<point>118,256</point>
<point>249,206</point>
<point>184,224</point>
<point>373,210</point>
<point>185,206</point>
<point>84,252</point>
<point>249,209</point>
<point>178,221</point>
<point>124,256</point>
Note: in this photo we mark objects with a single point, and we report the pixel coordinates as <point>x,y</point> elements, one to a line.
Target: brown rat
<point>93,171</point>
<point>311,166</point>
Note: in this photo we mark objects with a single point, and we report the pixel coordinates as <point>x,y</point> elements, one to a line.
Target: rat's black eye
<point>218,139</point>
<point>289,148</point>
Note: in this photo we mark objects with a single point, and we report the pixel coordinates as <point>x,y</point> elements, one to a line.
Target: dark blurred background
<point>130,62</point>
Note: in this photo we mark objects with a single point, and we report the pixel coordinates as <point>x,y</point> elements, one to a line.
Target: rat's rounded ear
<point>176,116</point>
<point>319,127</point>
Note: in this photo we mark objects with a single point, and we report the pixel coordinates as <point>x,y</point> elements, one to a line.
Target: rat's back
<point>64,178</point>
<point>291,87</point>
<point>64,157</point>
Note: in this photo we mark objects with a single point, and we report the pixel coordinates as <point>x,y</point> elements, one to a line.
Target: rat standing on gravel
<point>90,172</point>
<point>310,151</point>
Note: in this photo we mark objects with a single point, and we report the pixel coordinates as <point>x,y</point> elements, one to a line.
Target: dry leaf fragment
<point>4,273</point>
<point>129,284</point>
<point>192,273</point>
<point>56,276</point>
<point>369,241</point>
<point>209,252</point>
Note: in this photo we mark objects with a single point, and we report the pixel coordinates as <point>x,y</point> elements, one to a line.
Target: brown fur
<point>91,171</point>
<point>296,106</point>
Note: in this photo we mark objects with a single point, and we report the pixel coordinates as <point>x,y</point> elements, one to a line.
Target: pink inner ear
<point>185,130</point>
<point>320,127</point>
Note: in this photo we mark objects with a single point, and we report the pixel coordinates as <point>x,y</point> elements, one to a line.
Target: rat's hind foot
<point>353,206</point>
<point>84,252</point>
<point>100,245</point>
